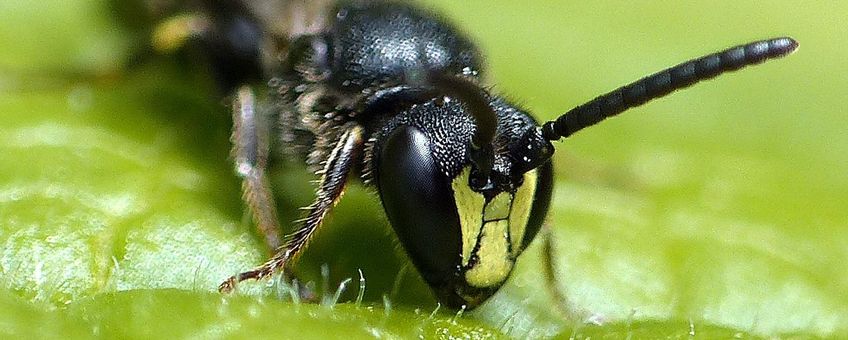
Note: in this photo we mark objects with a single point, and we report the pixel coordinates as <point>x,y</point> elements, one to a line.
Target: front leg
<point>338,165</point>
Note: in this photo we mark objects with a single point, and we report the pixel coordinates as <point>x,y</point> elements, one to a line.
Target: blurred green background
<point>719,211</point>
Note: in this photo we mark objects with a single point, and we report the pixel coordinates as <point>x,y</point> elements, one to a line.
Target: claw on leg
<point>269,268</point>
<point>230,284</point>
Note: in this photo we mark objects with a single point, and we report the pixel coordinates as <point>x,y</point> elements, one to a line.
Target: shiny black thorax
<point>359,69</point>
<point>366,69</point>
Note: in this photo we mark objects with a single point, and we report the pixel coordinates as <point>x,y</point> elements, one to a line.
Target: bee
<point>392,94</point>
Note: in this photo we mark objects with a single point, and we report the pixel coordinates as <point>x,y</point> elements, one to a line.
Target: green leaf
<point>182,314</point>
<point>718,212</point>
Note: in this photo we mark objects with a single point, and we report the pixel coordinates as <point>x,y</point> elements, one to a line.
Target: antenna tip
<point>786,45</point>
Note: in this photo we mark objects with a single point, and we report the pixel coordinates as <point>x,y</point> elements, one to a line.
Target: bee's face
<point>464,241</point>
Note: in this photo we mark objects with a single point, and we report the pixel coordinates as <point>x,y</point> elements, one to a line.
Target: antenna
<point>664,82</point>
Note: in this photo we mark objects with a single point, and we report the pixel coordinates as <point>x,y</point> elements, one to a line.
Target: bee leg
<point>561,303</point>
<point>251,144</point>
<point>550,273</point>
<point>174,32</point>
<point>229,38</point>
<point>346,153</point>
<point>564,307</point>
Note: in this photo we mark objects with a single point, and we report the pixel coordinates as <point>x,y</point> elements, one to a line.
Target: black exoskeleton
<point>384,93</point>
<point>393,94</point>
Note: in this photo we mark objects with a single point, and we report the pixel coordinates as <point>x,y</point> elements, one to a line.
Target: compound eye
<point>419,203</point>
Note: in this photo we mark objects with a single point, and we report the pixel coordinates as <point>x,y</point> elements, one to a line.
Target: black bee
<point>392,94</point>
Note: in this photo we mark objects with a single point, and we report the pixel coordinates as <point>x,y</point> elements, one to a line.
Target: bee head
<point>464,194</point>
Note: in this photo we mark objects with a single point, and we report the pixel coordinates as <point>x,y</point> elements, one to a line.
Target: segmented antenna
<point>664,82</point>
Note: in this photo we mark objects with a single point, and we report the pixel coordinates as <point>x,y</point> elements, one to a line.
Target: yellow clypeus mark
<point>498,207</point>
<point>522,203</point>
<point>500,238</point>
<point>469,205</point>
<point>494,262</point>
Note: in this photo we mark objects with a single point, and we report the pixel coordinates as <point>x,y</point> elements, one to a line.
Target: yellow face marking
<point>520,214</point>
<point>494,262</point>
<point>469,205</point>
<point>498,207</point>
<point>494,231</point>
